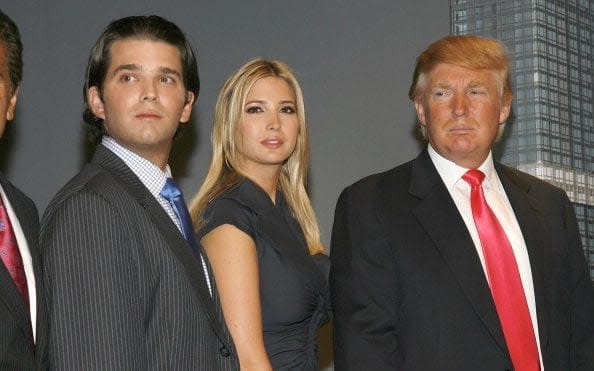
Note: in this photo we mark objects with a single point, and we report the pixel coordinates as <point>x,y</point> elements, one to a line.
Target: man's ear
<point>96,102</point>
<point>187,110</point>
<point>505,109</point>
<point>12,105</point>
<point>420,111</point>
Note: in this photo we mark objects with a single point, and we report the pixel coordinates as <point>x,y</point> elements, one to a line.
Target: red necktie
<point>9,252</point>
<point>504,279</point>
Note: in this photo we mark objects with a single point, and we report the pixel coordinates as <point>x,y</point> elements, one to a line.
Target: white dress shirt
<point>26,257</point>
<point>459,189</point>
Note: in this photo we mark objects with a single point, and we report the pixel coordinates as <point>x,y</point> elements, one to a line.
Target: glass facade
<point>551,131</point>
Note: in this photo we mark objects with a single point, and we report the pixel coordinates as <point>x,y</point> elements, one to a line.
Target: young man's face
<point>144,98</point>
<point>8,98</point>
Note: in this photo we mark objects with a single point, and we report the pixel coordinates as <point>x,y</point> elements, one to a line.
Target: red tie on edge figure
<point>9,252</point>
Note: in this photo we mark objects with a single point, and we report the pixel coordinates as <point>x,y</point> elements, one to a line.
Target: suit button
<point>224,351</point>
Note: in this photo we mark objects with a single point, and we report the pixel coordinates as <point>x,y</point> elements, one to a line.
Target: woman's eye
<point>288,109</point>
<point>253,109</point>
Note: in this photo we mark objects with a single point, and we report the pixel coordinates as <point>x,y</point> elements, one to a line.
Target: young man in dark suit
<point>21,305</point>
<point>453,261</point>
<point>127,286</point>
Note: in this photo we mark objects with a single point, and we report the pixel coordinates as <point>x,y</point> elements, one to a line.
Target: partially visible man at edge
<point>127,286</point>
<point>21,304</point>
<point>453,261</point>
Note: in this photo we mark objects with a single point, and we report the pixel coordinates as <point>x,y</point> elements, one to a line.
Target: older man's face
<point>8,98</point>
<point>462,111</point>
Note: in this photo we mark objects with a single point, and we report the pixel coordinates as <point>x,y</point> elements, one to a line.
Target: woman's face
<point>269,126</point>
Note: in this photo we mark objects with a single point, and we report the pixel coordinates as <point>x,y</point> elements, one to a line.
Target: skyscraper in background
<point>551,132</point>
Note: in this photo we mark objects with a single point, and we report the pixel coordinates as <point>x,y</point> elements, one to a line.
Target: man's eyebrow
<point>169,71</point>
<point>136,67</point>
<point>127,67</point>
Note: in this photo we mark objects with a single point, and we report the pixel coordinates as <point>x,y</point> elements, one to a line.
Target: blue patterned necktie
<point>173,194</point>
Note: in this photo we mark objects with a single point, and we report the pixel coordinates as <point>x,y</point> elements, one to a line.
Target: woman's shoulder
<point>245,194</point>
<point>231,207</point>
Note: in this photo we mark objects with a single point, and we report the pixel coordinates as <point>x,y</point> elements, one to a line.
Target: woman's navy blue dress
<point>293,284</point>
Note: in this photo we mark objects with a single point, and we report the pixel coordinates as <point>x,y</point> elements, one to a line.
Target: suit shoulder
<point>531,183</point>
<point>91,180</point>
<point>394,178</point>
<point>16,196</point>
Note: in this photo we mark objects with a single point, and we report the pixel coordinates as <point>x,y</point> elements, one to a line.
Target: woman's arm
<point>233,257</point>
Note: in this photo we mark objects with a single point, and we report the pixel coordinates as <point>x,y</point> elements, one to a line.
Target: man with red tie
<point>453,261</point>
<point>20,303</point>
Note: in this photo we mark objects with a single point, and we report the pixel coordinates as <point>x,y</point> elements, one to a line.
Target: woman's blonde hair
<point>224,173</point>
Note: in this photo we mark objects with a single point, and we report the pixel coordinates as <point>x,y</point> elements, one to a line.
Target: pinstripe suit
<point>17,350</point>
<point>124,290</point>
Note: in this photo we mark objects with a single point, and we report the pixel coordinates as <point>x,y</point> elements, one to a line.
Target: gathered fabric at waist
<point>292,347</point>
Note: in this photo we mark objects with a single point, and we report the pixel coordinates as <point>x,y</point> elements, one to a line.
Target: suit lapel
<point>441,220</point>
<point>536,232</point>
<point>9,293</point>
<point>11,298</point>
<point>178,245</point>
<point>28,219</point>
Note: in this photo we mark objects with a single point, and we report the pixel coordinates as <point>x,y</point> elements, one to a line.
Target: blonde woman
<point>256,223</point>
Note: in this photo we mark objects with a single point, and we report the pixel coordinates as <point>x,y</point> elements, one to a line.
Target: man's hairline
<point>139,37</point>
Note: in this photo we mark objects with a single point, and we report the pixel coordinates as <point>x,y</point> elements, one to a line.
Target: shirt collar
<point>149,174</point>
<point>451,173</point>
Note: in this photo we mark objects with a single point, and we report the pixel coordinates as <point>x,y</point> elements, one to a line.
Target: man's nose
<point>149,92</point>
<point>459,105</point>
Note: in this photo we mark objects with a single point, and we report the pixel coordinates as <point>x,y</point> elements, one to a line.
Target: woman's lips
<point>272,142</point>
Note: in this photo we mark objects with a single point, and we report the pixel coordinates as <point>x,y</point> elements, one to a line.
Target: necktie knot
<point>474,177</point>
<point>504,279</point>
<point>170,190</point>
<point>173,194</point>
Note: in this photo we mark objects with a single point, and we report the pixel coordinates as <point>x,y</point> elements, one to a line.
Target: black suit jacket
<point>17,348</point>
<point>408,289</point>
<point>124,289</point>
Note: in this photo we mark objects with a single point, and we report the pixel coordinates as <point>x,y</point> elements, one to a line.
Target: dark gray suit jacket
<point>408,289</point>
<point>17,349</point>
<point>124,290</point>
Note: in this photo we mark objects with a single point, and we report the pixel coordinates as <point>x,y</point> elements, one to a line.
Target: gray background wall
<point>354,60</point>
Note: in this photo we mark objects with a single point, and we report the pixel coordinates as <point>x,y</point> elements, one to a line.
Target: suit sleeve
<point>91,285</point>
<point>582,298</point>
<point>363,290</point>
